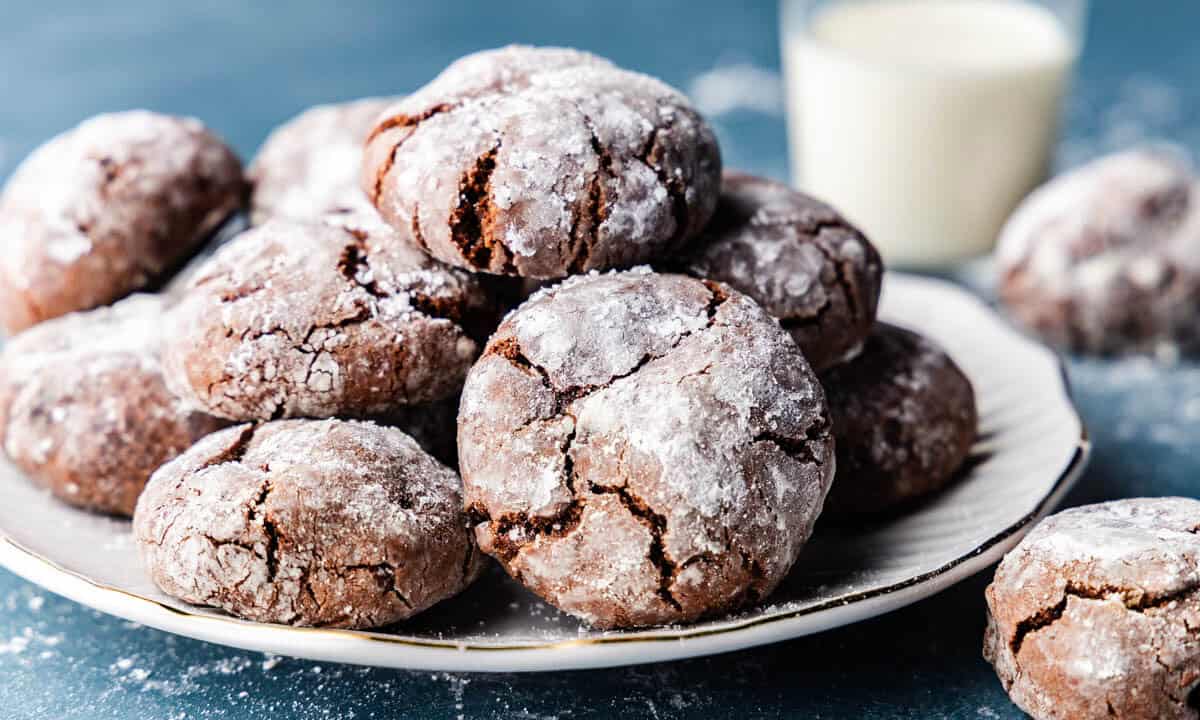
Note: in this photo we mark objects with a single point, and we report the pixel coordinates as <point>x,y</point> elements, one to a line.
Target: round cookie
<point>543,162</point>
<point>326,523</point>
<point>798,258</point>
<point>337,317</point>
<point>108,208</point>
<point>1094,614</point>
<point>1106,258</point>
<point>641,449</point>
<point>84,410</point>
<point>904,420</point>
<point>311,163</point>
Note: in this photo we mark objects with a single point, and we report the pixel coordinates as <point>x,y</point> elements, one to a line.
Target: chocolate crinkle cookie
<point>336,317</point>
<point>305,522</point>
<point>543,162</point>
<point>84,410</point>
<point>311,163</point>
<point>904,419</point>
<point>795,256</point>
<point>108,208</point>
<point>1094,614</point>
<point>1106,258</point>
<point>642,449</point>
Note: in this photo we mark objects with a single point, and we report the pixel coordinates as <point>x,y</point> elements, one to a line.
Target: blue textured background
<point>244,70</point>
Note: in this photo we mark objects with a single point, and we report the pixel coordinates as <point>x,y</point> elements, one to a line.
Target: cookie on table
<point>109,208</point>
<point>1094,614</point>
<point>798,258</point>
<point>1106,258</point>
<point>336,317</point>
<point>543,162</point>
<point>84,410</point>
<point>904,420</point>
<point>641,449</point>
<point>311,163</point>
<point>307,522</point>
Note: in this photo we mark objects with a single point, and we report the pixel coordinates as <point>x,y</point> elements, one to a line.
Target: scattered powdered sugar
<point>1140,108</point>
<point>734,86</point>
<point>1145,398</point>
<point>28,639</point>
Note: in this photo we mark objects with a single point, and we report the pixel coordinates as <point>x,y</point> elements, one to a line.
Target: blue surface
<point>244,70</point>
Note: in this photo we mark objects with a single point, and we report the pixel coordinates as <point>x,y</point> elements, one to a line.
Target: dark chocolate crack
<point>798,448</point>
<point>235,452</point>
<point>384,573</point>
<point>1133,600</point>
<point>472,220</point>
<point>657,525</point>
<point>510,349</point>
<point>587,219</point>
<point>651,154</point>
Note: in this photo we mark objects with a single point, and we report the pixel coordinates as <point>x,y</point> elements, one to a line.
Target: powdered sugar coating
<point>543,162</point>
<point>84,409</point>
<point>798,258</point>
<point>106,208</point>
<point>904,419</point>
<point>337,317</point>
<point>642,449</point>
<point>1094,613</point>
<point>311,163</point>
<point>331,523</point>
<point>1107,258</point>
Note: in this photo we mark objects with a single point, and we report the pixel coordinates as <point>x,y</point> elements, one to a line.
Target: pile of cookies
<point>519,313</point>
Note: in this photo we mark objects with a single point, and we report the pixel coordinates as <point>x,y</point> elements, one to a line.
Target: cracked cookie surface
<point>109,208</point>
<point>337,317</point>
<point>84,409</point>
<point>904,420</point>
<point>543,162</point>
<point>1095,614</point>
<point>1106,258</point>
<point>642,449</point>
<point>307,522</point>
<point>795,256</point>
<point>311,163</point>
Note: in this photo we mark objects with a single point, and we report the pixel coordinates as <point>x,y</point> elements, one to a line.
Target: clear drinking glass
<point>926,121</point>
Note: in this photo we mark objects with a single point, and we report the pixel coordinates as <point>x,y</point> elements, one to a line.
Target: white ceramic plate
<point>1032,447</point>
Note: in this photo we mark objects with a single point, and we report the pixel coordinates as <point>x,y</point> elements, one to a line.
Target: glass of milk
<point>926,121</point>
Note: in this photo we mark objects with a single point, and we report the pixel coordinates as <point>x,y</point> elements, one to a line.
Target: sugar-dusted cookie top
<point>108,208</point>
<point>795,256</point>
<point>1106,258</point>
<point>543,162</point>
<point>311,163</point>
<point>642,449</point>
<point>335,317</point>
<point>1094,614</point>
<point>305,522</point>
